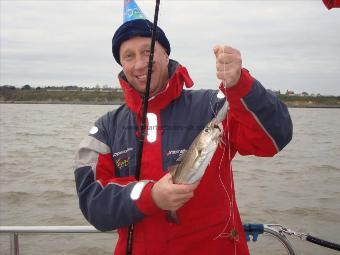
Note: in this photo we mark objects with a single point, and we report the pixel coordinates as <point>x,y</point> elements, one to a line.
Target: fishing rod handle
<point>324,243</point>
<point>129,240</point>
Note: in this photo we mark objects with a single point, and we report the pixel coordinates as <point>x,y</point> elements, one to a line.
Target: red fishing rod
<point>141,139</point>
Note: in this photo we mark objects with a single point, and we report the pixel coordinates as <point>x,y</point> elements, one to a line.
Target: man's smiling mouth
<point>141,77</point>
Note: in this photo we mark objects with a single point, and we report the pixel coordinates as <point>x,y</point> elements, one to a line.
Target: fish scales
<point>196,159</point>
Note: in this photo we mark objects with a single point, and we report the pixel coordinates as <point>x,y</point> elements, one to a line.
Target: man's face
<point>134,57</point>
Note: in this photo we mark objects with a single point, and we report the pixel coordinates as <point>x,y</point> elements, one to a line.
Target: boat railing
<point>15,231</point>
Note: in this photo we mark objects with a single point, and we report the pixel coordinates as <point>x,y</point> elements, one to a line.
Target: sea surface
<point>299,188</point>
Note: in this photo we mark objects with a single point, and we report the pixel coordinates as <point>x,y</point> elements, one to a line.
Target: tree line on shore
<point>68,94</point>
<point>97,95</point>
<point>60,88</point>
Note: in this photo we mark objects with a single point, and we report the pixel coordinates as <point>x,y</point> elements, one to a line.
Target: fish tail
<point>171,216</point>
<point>222,113</point>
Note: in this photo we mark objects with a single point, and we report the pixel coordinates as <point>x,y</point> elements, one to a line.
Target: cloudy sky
<point>287,44</point>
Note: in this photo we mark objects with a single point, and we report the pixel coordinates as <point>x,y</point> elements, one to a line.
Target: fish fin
<point>172,217</point>
<point>172,170</point>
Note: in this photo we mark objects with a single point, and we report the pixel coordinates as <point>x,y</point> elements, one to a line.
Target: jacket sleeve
<point>103,199</point>
<point>259,123</point>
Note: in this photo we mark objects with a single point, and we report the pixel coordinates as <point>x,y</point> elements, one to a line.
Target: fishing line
<point>227,193</point>
<point>235,238</point>
<point>233,233</point>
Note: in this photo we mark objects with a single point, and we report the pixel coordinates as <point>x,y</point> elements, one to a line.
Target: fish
<point>196,159</point>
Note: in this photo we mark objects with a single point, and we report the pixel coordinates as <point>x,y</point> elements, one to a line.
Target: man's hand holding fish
<point>169,196</point>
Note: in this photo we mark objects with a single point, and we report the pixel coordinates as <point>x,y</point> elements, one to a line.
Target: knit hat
<point>135,24</point>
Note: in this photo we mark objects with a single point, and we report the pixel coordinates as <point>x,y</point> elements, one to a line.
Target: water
<point>299,188</point>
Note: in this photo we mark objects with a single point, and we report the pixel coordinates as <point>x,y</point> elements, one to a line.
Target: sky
<point>285,44</point>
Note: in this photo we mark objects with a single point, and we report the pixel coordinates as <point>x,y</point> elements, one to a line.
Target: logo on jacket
<point>122,158</point>
<point>122,162</point>
<point>116,154</point>
<point>175,154</point>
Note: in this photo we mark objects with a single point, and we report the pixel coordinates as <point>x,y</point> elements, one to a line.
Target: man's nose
<point>141,62</point>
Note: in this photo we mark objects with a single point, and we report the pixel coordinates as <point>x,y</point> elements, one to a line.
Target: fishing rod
<point>280,232</point>
<point>143,123</point>
<point>306,237</point>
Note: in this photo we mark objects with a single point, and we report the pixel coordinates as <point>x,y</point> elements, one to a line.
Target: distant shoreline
<point>290,105</point>
<point>314,106</point>
<point>55,102</point>
<point>64,102</point>
<point>98,97</point>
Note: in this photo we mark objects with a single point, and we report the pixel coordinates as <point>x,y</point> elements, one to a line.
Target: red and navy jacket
<point>257,124</point>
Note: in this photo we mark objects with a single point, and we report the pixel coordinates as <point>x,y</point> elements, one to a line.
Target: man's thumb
<point>168,177</point>
<point>216,50</point>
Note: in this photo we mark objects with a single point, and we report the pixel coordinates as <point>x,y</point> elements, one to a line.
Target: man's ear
<point>163,50</point>
<point>123,73</point>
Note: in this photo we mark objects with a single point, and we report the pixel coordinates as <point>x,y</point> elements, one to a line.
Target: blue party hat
<point>132,11</point>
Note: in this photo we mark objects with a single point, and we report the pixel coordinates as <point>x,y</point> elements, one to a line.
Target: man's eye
<point>128,56</point>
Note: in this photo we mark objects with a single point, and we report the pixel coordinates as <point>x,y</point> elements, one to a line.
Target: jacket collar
<point>179,77</point>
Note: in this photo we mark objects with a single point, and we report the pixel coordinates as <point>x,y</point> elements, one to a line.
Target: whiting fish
<point>196,159</point>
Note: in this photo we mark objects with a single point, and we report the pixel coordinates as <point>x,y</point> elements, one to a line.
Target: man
<point>110,197</point>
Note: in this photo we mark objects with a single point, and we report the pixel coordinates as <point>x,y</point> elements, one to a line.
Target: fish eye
<point>206,130</point>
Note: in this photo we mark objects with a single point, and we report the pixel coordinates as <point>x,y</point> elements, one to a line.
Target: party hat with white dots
<point>132,11</point>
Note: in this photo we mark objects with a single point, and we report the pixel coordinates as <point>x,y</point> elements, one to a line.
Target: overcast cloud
<point>285,44</point>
